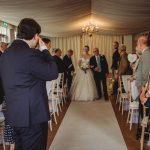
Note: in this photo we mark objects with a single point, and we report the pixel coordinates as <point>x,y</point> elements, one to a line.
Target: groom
<point>100,68</point>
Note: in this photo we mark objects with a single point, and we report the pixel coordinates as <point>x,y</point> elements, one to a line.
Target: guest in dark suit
<point>58,60</point>
<point>68,67</point>
<point>24,73</point>
<point>100,68</point>
<point>115,65</point>
<point>115,57</point>
<point>3,47</point>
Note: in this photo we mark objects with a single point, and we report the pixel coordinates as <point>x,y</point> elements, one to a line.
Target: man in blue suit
<point>24,71</point>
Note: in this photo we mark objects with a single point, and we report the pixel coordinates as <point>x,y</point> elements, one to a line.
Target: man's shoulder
<point>92,57</point>
<point>146,54</point>
<point>103,57</point>
<point>65,57</point>
<point>147,51</point>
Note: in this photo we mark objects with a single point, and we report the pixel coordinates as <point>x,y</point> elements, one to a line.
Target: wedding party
<point>74,75</point>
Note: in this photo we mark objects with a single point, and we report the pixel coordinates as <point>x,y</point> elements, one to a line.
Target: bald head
<point>70,52</point>
<point>96,51</point>
<point>3,46</point>
<point>142,43</point>
<point>143,40</point>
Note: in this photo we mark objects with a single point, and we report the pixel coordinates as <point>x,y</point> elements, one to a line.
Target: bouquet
<point>85,66</point>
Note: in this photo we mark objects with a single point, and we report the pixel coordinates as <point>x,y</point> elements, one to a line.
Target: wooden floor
<point>129,136</point>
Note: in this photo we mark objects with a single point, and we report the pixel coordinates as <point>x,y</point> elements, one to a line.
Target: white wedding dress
<point>83,87</point>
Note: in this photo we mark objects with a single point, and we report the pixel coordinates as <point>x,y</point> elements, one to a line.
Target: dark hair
<point>87,47</point>
<point>116,42</point>
<point>46,40</point>
<point>27,29</point>
<point>57,49</point>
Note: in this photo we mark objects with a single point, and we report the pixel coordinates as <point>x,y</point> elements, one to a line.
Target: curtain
<point>103,42</point>
<point>66,43</point>
<point>77,42</point>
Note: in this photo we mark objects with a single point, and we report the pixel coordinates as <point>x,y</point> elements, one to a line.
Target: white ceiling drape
<point>65,17</point>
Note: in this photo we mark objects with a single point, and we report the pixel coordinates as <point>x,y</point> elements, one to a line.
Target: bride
<point>83,87</point>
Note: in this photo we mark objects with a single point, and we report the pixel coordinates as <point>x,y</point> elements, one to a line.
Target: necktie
<point>99,64</point>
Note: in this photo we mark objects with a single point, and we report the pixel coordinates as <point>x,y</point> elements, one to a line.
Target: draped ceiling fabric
<point>65,17</point>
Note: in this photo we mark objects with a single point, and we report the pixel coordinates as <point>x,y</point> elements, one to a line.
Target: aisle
<point>89,126</point>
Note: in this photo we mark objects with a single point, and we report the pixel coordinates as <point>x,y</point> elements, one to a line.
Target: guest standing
<point>100,68</point>
<point>143,69</point>
<point>68,67</point>
<point>58,60</point>
<point>124,65</point>
<point>115,64</point>
<point>24,73</point>
<point>115,58</point>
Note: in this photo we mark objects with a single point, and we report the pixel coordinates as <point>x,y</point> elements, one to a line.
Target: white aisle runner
<point>89,126</point>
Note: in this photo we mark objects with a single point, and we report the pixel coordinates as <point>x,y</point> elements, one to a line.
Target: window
<point>4,34</point>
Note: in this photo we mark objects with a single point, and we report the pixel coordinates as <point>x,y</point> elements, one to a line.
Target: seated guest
<point>58,60</point>
<point>68,67</point>
<point>124,65</point>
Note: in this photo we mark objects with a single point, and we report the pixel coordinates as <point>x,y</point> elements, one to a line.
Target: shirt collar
<point>144,50</point>
<point>23,41</point>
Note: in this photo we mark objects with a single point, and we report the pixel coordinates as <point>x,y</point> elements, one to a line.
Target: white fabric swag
<point>66,17</point>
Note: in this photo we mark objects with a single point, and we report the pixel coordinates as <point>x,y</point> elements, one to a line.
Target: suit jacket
<point>59,63</point>
<point>124,65</point>
<point>115,60</point>
<point>24,73</point>
<point>103,62</point>
<point>143,68</point>
<point>68,65</point>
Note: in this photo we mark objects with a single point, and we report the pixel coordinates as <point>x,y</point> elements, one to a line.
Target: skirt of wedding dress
<point>83,87</point>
